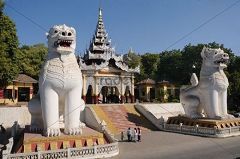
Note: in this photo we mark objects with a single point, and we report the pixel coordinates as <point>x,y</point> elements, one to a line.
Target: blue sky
<point>144,25</point>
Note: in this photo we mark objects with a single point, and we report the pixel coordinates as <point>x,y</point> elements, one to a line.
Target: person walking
<point>139,134</point>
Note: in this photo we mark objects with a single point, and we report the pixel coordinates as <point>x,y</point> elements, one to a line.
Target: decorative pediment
<point>94,66</point>
<point>105,67</point>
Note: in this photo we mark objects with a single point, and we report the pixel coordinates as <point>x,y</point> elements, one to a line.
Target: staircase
<point>120,117</point>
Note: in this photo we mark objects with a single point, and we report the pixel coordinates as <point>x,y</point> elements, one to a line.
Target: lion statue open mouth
<point>208,96</point>
<point>62,39</point>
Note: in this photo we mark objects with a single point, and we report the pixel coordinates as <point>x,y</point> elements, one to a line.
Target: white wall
<point>8,115</point>
<point>164,110</point>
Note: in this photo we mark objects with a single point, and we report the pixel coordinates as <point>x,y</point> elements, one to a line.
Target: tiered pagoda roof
<point>100,53</point>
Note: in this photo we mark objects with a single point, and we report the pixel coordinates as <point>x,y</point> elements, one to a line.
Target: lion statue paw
<point>53,132</point>
<point>73,131</point>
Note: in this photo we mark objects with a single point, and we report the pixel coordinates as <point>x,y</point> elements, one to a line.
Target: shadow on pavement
<point>141,121</point>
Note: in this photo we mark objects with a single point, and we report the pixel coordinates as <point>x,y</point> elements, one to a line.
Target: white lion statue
<point>60,85</point>
<point>208,97</point>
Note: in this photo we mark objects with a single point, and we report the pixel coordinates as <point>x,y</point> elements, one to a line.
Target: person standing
<point>122,136</point>
<point>136,134</point>
<point>3,130</point>
<point>139,134</point>
<point>133,134</point>
<point>129,134</point>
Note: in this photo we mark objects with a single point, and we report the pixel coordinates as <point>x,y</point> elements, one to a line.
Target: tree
<point>169,67</point>
<point>31,58</point>
<point>233,91</point>
<point>191,62</point>
<point>8,49</point>
<point>149,63</point>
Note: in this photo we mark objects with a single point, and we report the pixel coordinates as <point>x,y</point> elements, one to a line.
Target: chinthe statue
<point>208,96</point>
<point>60,85</point>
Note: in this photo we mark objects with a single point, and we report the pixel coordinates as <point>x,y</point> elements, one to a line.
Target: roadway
<point>164,145</point>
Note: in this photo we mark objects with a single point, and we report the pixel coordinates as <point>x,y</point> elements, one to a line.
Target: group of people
<point>133,134</point>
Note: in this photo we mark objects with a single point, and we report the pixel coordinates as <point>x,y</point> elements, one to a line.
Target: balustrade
<point>201,130</point>
<point>98,151</point>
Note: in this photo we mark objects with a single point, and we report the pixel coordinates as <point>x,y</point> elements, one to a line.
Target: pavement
<point>165,145</point>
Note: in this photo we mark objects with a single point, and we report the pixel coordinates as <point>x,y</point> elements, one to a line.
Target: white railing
<point>192,129</point>
<point>230,130</point>
<point>202,131</point>
<point>99,151</point>
<point>235,129</point>
<point>173,127</point>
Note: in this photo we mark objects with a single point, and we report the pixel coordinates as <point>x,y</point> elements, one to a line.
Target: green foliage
<point>169,67</point>
<point>191,58</point>
<point>31,58</point>
<point>148,66</point>
<point>234,84</point>
<point>8,70</point>
<point>233,91</point>
<point>8,49</point>
<point>15,60</point>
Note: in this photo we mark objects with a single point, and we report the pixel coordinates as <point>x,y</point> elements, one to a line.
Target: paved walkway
<point>164,145</point>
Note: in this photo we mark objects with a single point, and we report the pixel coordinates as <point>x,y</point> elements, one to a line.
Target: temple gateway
<point>106,77</point>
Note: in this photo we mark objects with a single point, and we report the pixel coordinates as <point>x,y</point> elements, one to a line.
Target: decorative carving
<point>109,81</point>
<point>94,66</point>
<point>208,97</point>
<point>118,63</point>
<point>125,67</point>
<point>126,81</point>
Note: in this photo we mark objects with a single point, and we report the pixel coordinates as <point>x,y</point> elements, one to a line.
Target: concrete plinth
<point>209,123</point>
<point>32,142</point>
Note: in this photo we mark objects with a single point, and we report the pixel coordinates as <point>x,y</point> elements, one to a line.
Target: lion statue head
<point>214,57</point>
<point>62,39</point>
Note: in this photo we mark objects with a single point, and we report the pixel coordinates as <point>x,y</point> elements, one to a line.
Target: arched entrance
<point>109,94</point>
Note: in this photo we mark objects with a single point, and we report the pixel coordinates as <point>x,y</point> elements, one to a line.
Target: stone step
<point>103,116</point>
<point>120,117</point>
